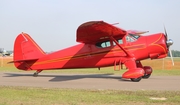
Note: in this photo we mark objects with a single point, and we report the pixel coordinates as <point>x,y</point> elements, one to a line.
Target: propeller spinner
<point>169,42</point>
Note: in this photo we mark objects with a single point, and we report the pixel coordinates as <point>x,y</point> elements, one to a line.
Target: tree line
<point>175,53</point>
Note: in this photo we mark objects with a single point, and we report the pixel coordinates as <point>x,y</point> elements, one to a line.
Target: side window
<point>103,44</point>
<point>120,41</point>
<point>129,39</point>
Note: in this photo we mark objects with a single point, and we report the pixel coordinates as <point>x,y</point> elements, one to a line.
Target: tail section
<point>26,51</point>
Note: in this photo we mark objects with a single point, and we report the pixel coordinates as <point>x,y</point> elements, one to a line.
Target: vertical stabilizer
<point>25,48</point>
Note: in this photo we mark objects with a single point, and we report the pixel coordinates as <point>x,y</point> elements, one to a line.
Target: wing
<point>96,31</point>
<point>137,32</point>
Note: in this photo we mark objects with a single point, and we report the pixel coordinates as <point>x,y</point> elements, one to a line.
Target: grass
<point>42,96</point>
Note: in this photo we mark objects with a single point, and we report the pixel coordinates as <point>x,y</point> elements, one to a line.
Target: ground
<point>88,81</point>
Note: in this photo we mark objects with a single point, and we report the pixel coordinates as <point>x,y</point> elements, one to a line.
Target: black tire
<point>136,79</point>
<point>146,76</point>
<point>35,74</point>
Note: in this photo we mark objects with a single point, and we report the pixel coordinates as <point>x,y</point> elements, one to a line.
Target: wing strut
<point>112,38</point>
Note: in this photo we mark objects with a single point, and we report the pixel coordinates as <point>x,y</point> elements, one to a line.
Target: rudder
<point>26,49</point>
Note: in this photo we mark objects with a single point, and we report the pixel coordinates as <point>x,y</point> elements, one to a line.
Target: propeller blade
<point>171,57</point>
<point>165,32</point>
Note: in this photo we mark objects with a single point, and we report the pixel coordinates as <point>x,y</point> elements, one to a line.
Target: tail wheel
<point>35,74</point>
<point>136,79</point>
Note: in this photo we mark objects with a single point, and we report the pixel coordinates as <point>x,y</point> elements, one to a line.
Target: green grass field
<point>54,96</point>
<point>44,96</point>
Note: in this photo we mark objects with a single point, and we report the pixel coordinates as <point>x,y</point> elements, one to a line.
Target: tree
<point>175,53</point>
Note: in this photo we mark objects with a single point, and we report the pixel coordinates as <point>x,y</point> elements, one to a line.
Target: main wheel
<point>136,79</point>
<point>146,76</point>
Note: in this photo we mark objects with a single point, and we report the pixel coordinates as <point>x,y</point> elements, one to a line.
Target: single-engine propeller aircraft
<point>101,45</point>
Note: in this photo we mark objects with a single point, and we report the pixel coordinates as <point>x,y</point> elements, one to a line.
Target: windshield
<point>132,37</point>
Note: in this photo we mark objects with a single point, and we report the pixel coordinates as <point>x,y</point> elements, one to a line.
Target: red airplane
<point>101,45</point>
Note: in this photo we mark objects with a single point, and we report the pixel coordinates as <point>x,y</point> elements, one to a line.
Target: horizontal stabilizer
<point>22,60</point>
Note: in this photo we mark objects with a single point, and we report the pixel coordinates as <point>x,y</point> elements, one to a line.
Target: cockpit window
<point>103,44</point>
<point>120,41</point>
<point>132,37</point>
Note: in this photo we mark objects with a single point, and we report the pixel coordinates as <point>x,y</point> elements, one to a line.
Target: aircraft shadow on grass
<point>69,77</point>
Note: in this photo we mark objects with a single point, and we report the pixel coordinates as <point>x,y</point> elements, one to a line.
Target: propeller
<point>169,42</point>
<point>171,57</point>
<point>165,32</point>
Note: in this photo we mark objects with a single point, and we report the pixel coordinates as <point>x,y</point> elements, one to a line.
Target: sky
<point>53,23</point>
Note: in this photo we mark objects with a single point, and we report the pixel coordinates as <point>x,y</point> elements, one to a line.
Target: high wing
<point>96,31</point>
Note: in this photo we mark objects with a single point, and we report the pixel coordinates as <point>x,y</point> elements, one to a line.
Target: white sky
<point>53,23</point>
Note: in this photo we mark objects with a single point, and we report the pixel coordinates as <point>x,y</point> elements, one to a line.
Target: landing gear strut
<point>36,73</point>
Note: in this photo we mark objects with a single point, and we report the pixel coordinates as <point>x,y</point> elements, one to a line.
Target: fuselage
<point>106,53</point>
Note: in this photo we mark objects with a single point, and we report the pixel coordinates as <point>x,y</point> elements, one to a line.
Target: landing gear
<point>36,73</point>
<point>134,74</point>
<point>148,70</point>
<point>136,71</point>
<point>136,79</point>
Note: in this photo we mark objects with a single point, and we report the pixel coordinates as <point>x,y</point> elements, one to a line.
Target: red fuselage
<point>102,54</point>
